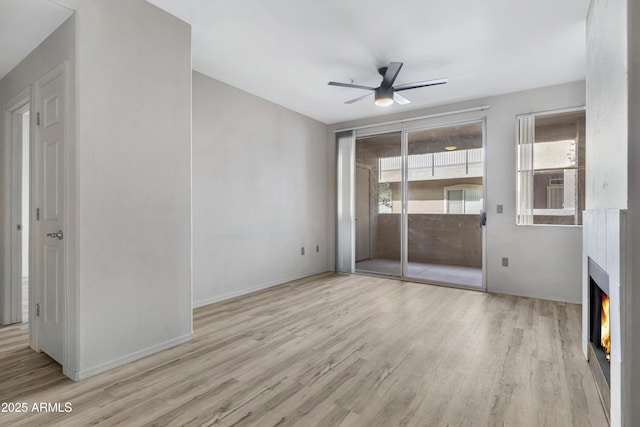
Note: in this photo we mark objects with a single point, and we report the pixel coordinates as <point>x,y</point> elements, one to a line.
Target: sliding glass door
<point>419,199</point>
<point>445,196</point>
<point>378,203</point>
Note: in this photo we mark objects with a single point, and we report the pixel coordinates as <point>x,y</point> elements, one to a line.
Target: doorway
<point>419,204</point>
<point>17,148</point>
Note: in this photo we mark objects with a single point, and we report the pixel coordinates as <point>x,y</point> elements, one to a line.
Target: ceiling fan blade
<point>400,99</point>
<point>390,75</point>
<point>420,84</point>
<point>360,98</point>
<point>351,85</point>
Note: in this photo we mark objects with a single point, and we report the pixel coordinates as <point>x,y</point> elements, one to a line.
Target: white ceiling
<point>287,50</point>
<point>23,25</point>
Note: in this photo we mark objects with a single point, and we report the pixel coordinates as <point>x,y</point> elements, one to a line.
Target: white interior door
<point>49,243</point>
<point>363,232</point>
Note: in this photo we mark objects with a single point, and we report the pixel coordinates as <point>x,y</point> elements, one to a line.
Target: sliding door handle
<point>483,219</point>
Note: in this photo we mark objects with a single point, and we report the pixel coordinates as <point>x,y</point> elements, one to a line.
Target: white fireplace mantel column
<point>603,240</point>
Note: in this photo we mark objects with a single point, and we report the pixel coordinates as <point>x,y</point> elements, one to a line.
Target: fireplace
<point>603,249</point>
<point>599,332</point>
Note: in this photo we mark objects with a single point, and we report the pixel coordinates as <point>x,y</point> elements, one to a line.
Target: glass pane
<point>455,199</point>
<point>472,201</point>
<point>445,196</point>
<point>555,196</point>
<point>559,168</point>
<point>378,204</point>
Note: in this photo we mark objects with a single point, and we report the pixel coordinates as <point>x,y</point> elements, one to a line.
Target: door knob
<point>59,235</point>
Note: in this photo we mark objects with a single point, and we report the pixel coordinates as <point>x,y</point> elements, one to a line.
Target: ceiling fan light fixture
<point>384,96</point>
<point>384,102</point>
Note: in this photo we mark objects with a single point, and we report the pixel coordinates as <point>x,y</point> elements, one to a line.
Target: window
<point>463,199</point>
<point>551,168</point>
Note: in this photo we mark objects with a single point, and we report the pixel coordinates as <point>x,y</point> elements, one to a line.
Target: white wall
<point>55,49</point>
<point>544,261</point>
<point>134,195</point>
<point>606,178</point>
<point>613,126</point>
<point>259,192</point>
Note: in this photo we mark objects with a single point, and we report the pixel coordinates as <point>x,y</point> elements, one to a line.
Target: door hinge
<point>37,214</point>
<point>38,119</point>
<point>37,310</point>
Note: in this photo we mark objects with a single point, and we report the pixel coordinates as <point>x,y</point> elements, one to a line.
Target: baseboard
<point>229,295</point>
<point>86,373</point>
<point>534,295</point>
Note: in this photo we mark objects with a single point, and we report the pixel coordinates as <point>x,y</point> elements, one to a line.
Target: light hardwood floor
<point>335,350</point>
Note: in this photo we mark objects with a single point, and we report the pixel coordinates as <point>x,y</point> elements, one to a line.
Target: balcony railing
<point>433,160</point>
<point>422,161</point>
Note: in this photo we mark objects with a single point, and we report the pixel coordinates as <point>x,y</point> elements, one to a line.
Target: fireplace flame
<point>605,339</point>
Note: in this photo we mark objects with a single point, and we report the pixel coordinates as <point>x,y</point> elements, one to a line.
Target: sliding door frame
<point>404,229</point>
<point>404,212</point>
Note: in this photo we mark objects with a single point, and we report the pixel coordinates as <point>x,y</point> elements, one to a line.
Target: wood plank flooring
<point>335,350</point>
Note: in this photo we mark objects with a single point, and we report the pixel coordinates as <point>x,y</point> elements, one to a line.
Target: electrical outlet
<point>317,248</point>
<point>302,250</point>
<point>499,209</point>
<point>505,262</point>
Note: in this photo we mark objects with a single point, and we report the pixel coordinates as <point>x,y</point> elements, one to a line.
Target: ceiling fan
<point>385,94</point>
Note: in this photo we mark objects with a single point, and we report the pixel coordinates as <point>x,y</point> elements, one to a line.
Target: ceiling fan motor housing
<point>384,93</point>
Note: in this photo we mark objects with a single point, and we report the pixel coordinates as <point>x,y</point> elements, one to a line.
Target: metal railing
<point>431,160</point>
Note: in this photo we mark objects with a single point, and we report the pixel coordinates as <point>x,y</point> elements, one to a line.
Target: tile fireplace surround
<point>603,237</point>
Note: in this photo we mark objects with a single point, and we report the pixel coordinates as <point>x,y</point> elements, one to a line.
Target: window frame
<point>518,169</point>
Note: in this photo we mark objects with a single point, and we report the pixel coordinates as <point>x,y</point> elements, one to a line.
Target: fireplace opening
<point>600,337</point>
<point>599,332</point>
<point>605,336</point>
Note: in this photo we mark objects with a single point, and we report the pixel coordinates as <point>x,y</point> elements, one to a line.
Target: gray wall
<point>631,402</point>
<point>260,188</point>
<point>544,261</point>
<point>133,183</point>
